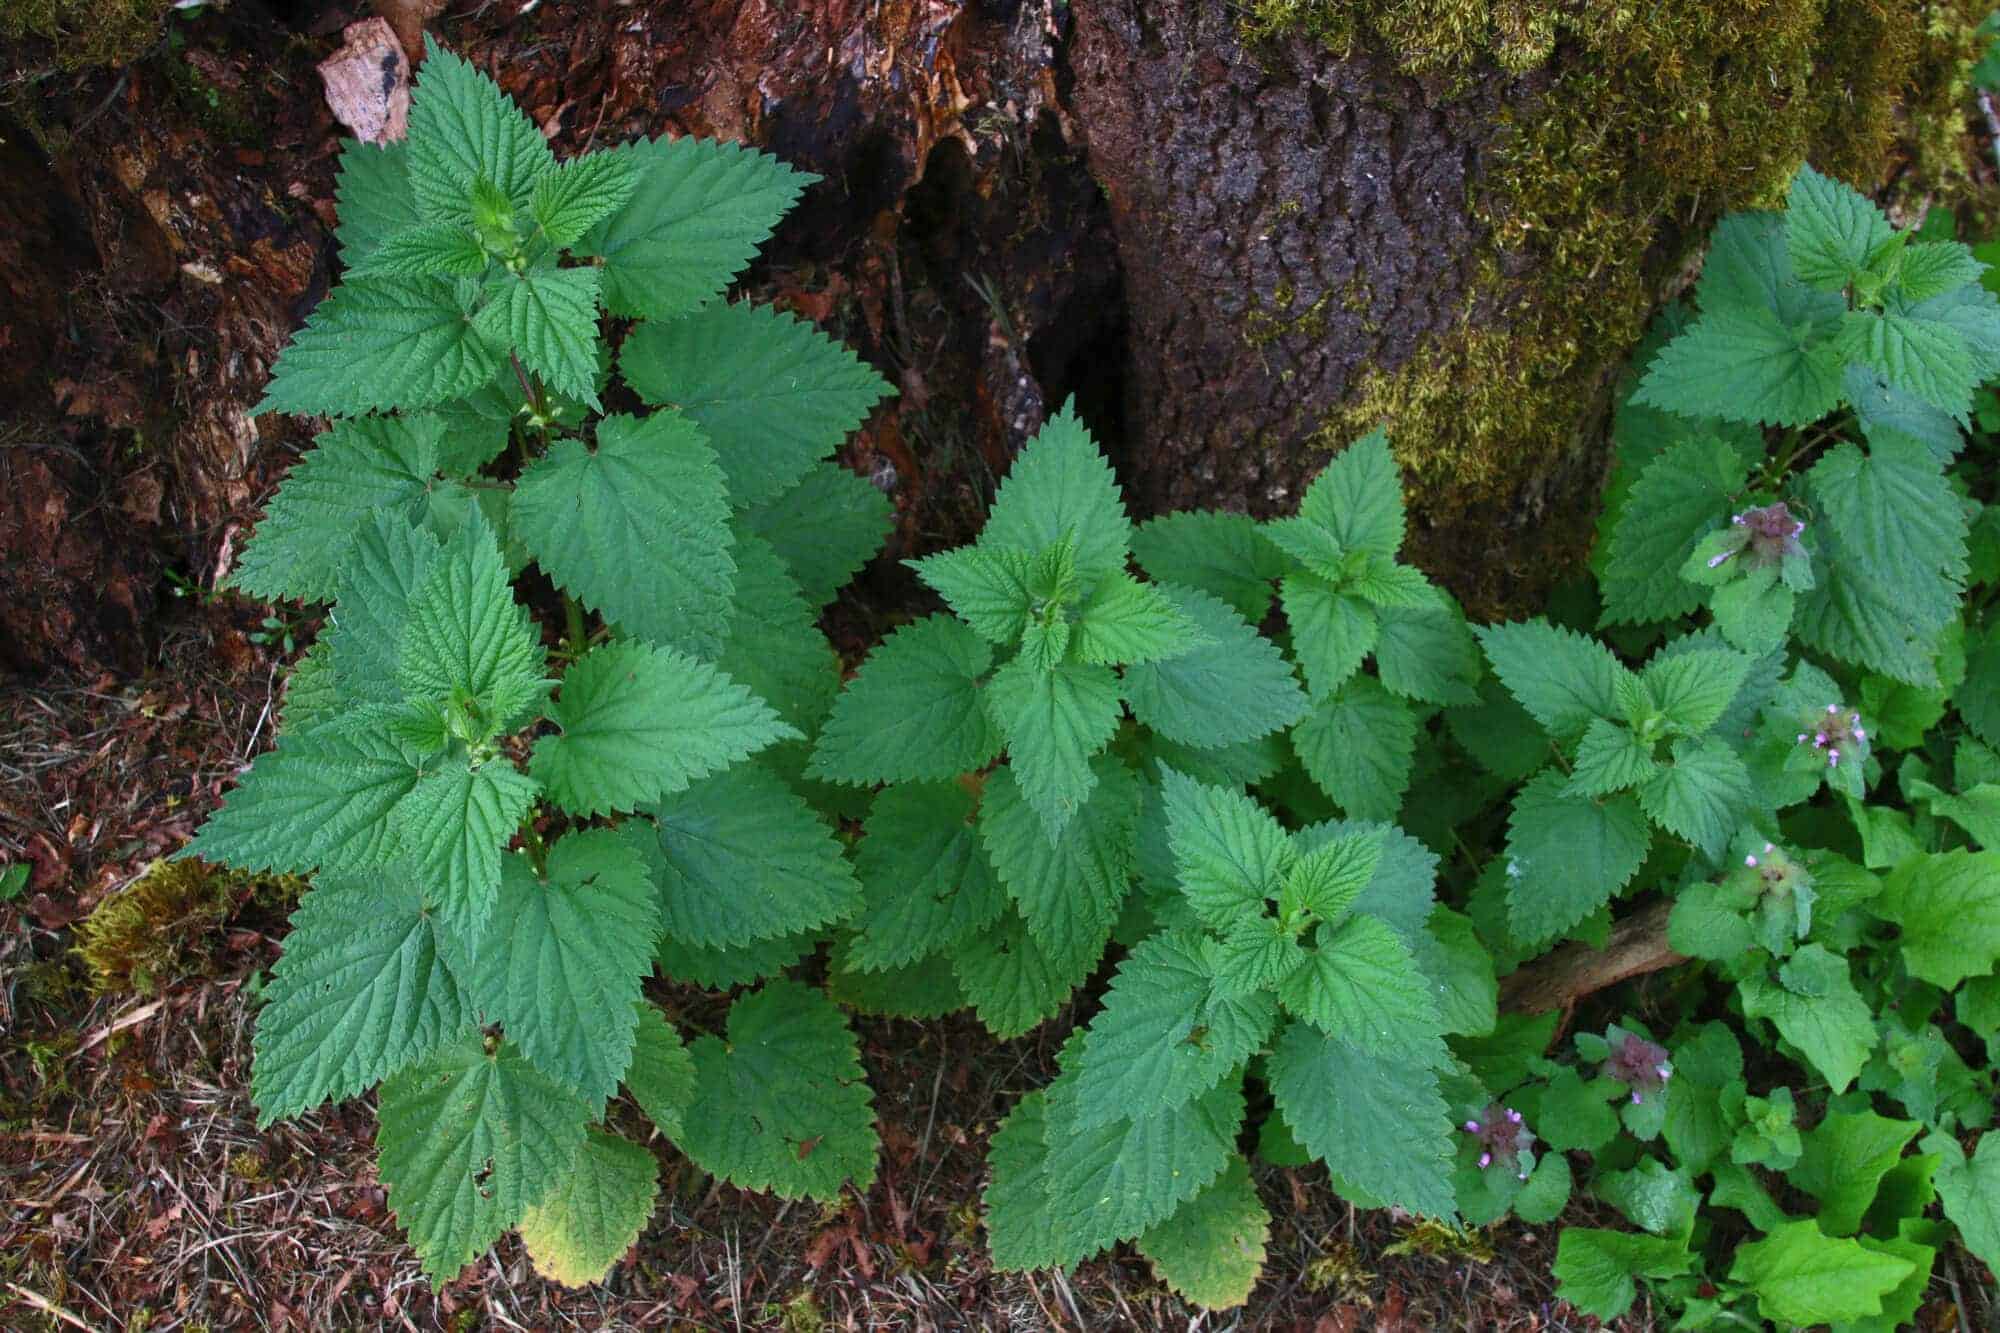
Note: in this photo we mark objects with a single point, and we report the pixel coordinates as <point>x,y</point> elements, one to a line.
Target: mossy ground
<point>1636,126</point>
<point>87,32</point>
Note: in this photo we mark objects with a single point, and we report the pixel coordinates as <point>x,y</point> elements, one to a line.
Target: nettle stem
<point>538,852</point>
<point>575,639</point>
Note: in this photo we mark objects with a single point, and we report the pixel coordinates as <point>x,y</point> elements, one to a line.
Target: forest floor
<point>137,1191</point>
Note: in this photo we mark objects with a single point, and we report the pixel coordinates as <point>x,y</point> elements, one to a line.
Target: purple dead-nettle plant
<point>1503,1140</point>
<point>1763,537</point>
<point>1640,1065</point>
<point>1836,732</point>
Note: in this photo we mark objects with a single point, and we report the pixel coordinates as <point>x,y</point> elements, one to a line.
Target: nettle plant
<point>494,991</point>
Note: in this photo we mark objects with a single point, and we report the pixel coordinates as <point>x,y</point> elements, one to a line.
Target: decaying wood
<point>1638,945</point>
<point>368,82</point>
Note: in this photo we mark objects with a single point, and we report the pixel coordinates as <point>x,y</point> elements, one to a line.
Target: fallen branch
<point>1638,945</point>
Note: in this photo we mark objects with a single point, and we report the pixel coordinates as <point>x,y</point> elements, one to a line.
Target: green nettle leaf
<point>1801,1275</point>
<point>1124,620</point>
<point>1703,795</point>
<point>1219,554</point>
<point>1401,890</point>
<point>661,1075</point>
<point>464,636</point>
<point>1746,365</point>
<point>773,394</point>
<point>699,210</point>
<point>1234,686</point>
<point>548,317</point>
<point>562,955</point>
<point>783,1105</point>
<point>1058,489</point>
<point>986,585</point>
<point>1015,981</point>
<point>1018,1235</point>
<point>464,129</point>
<point>1749,267</point>
<point>390,560</point>
<point>1562,678</point>
<point>1461,974</point>
<point>310,694</point>
<point>1378,1122</point>
<point>637,529</point>
<point>380,343</point>
<point>739,857</point>
<point>1054,720</point>
<point>320,801</point>
<point>1893,545</point>
<point>594,1214</point>
<point>927,988</point>
<point>1927,359</point>
<point>1817,1009</point>
<point>640,722</point>
<point>1594,1269</point>
<point>452,828</point>
<point>1567,855</point>
<point>1358,744</point>
<point>1693,689</point>
<point>926,881</point>
<point>1068,891</point>
<point>1211,1251</point>
<point>468,1140</point>
<point>913,711</point>
<point>1831,232</point>
<point>1429,655</point>
<point>825,528</point>
<point>1846,1156</point>
<point>1357,499</point>
<point>1112,1181</point>
<point>355,470</point>
<point>1609,758</point>
<point>1169,1031</point>
<point>372,196</point>
<point>1948,905</point>
<point>721,969</point>
<point>1329,879</point>
<point>360,991</point>
<point>1682,496</point>
<point>1332,632</point>
<point>432,247</point>
<point>1361,984</point>
<point>1697,1125</point>
<point>573,198</point>
<point>775,648</point>
<point>1230,853</point>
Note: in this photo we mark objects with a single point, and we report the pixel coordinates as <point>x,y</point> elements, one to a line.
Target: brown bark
<point>1638,945</point>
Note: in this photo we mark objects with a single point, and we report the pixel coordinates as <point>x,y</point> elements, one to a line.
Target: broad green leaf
<point>1817,1009</point>
<point>986,586</point>
<point>1703,795</point>
<point>1386,585</point>
<point>700,209</point>
<point>1168,1032</point>
<point>372,196</point>
<point>1594,1269</point>
<point>1230,853</point>
<point>1234,687</point>
<point>1559,676</point>
<point>560,961</point>
<point>661,1075</point>
<point>825,528</point>
<point>380,343</point>
<point>1013,980</point>
<point>1500,734</point>
<point>1332,632</point>
<point>465,638</point>
<point>1357,744</point>
<point>443,248</point>
<point>359,992</point>
<point>1831,232</point>
<point>1746,365</point>
<point>468,1139</point>
<point>739,857</point>
<point>1327,880</point>
<point>1680,497</point>
<point>774,647</point>
<point>783,1105</point>
<point>1362,985</point>
<point>926,988</point>
<point>1219,554</point>
<point>722,969</point>
<point>1055,721</point>
<point>452,829</point>
<point>926,881</point>
<point>1926,359</point>
<point>1018,1236</point>
<point>1402,889</point>
<point>640,722</point>
<point>320,801</point>
<point>464,129</point>
<point>356,469</point>
<point>1069,890</point>
<point>1572,1113</point>
<point>773,394</point>
<point>1059,487</point>
<point>1358,497</point>
<point>595,1213</point>
<point>310,693</point>
<point>1698,1124</point>
<point>1970,1191</point>
<point>390,560</point>
<point>636,529</point>
<point>1461,973</point>
<point>1567,855</point>
<point>548,318</point>
<point>1211,1251</point>
<point>1124,620</point>
<point>1803,1276</point>
<point>1609,758</point>
<point>913,711</point>
<point>579,193</point>
<point>1693,689</point>
<point>1749,267</point>
<point>1429,655</point>
<point>1112,1181</point>
<point>1948,906</point>
<point>1651,1196</point>
<point>1378,1122</point>
<point>1846,1156</point>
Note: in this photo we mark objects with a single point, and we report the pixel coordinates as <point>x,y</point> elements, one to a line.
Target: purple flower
<point>1763,537</point>
<point>1836,729</point>
<point>1502,1138</point>
<point>1640,1065</point>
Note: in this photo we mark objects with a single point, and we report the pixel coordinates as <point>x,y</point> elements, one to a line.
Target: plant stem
<point>574,637</point>
<point>538,852</point>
